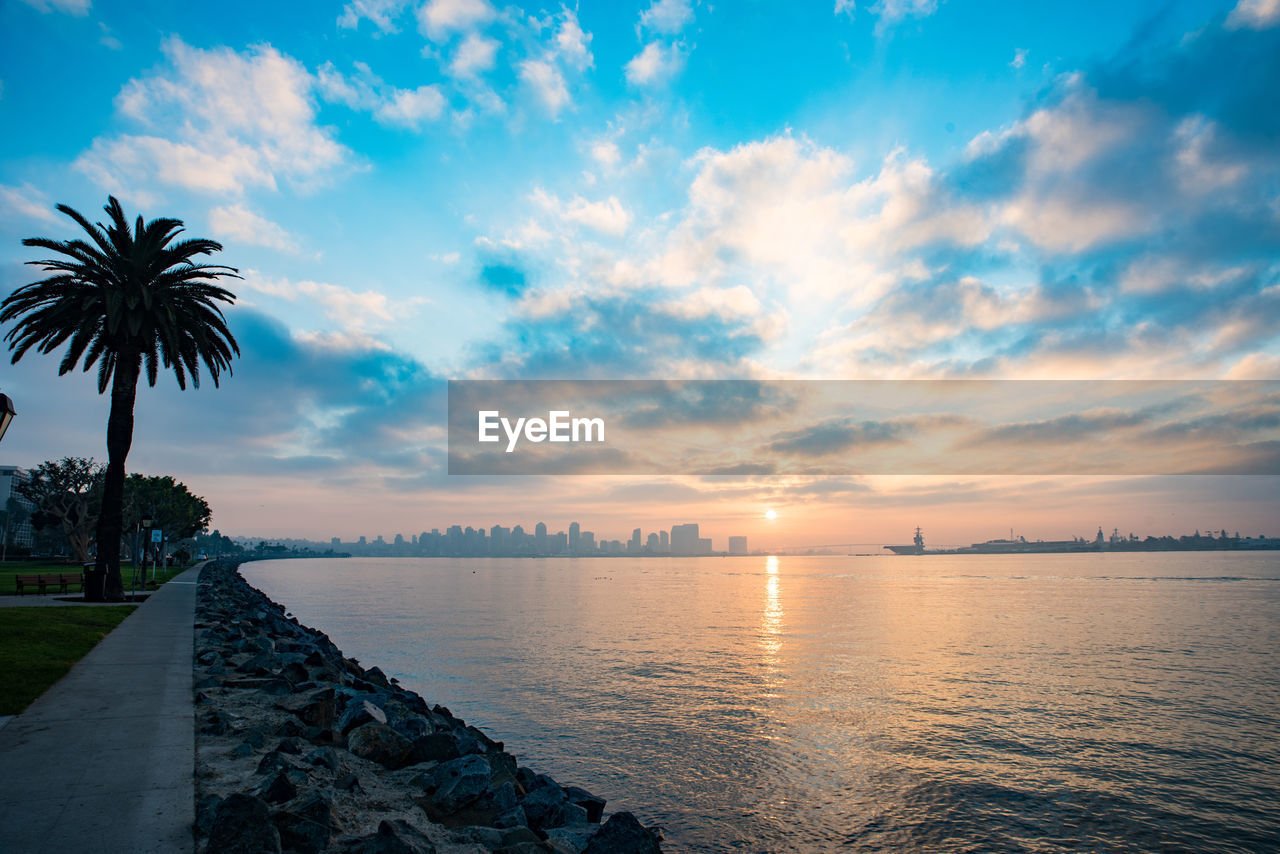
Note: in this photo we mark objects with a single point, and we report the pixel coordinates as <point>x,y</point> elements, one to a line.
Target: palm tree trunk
<point>106,583</point>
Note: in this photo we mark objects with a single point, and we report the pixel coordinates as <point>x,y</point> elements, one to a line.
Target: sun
<point>771,515</point>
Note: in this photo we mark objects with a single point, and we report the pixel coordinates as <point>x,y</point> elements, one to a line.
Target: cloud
<point>474,56</point>
<point>221,122</point>
<point>355,312</point>
<point>382,13</point>
<point>606,153</point>
<point>607,216</point>
<point>440,19</point>
<point>79,8</point>
<point>1019,58</point>
<point>655,64</point>
<point>572,43</point>
<point>410,107</point>
<point>29,202</point>
<point>547,84</point>
<point>1254,15</point>
<point>389,105</point>
<point>667,16</point>
<point>835,436</point>
<point>242,224</point>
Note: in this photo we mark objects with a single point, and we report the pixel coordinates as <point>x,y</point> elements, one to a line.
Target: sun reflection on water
<point>771,622</point>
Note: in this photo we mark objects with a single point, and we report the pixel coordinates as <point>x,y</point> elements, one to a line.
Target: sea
<point>993,703</point>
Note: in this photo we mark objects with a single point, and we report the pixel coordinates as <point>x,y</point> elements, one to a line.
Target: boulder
<point>242,825</point>
<point>623,834</point>
<point>379,743</point>
<point>358,713</point>
<point>393,837</point>
<point>591,803</point>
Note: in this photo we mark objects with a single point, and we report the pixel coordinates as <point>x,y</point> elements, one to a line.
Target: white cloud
<point>382,13</point>
<point>79,8</point>
<point>239,223</point>
<point>892,11</point>
<point>1019,58</point>
<point>547,83</point>
<point>667,16</point>
<point>410,107</point>
<point>1254,15</point>
<point>27,201</point>
<point>573,44</point>
<point>356,312</point>
<point>606,153</point>
<point>608,216</point>
<point>440,19</point>
<point>389,105</point>
<point>1202,166</point>
<point>223,121</point>
<point>474,56</point>
<point>845,7</point>
<point>656,63</point>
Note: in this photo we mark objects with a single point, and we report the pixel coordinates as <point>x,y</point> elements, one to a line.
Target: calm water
<point>967,703</point>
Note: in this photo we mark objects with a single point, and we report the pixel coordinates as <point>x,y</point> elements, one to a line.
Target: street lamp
<point>6,413</point>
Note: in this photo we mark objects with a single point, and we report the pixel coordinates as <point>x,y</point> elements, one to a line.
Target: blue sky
<point>456,188</point>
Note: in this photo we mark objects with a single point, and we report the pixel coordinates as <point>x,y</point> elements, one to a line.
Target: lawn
<point>38,646</point>
<point>11,568</point>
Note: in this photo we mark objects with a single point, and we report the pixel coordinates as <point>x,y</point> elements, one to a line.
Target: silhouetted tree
<point>124,299</point>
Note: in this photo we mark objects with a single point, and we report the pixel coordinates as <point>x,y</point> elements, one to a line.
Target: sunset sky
<point>417,192</point>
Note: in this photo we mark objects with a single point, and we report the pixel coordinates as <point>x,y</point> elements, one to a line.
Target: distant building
<point>737,545</point>
<point>575,531</point>
<point>16,530</point>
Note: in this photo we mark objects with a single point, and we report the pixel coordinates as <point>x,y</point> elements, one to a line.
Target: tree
<point>169,504</point>
<point>66,493</point>
<point>125,299</point>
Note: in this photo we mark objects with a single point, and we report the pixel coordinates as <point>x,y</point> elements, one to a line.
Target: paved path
<point>105,760</point>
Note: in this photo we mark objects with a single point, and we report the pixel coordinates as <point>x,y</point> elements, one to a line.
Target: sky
<point>416,192</point>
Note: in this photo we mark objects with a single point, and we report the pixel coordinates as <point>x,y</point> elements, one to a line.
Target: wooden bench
<point>43,581</point>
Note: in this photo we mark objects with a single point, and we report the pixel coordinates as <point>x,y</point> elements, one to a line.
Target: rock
<point>301,834</point>
<point>393,837</point>
<point>290,728</point>
<point>289,745</point>
<point>623,834</point>
<point>546,807</point>
<point>348,783</point>
<point>591,803</point>
<point>324,757</point>
<point>321,710</point>
<point>243,749</point>
<point>458,784</point>
<point>358,713</point>
<point>309,825</point>
<point>379,743</point>
<point>572,837</point>
<point>242,825</point>
<point>436,747</point>
<point>279,790</point>
<point>414,728</point>
<point>206,809</point>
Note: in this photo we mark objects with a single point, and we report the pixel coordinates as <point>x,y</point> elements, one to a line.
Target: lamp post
<point>6,413</point>
<point>147,522</point>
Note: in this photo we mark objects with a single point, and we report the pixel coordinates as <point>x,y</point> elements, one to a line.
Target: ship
<point>917,548</point>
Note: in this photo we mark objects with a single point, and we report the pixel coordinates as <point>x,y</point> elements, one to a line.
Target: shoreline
<point>299,748</point>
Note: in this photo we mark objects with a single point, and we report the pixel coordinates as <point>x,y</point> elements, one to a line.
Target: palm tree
<point>128,299</point>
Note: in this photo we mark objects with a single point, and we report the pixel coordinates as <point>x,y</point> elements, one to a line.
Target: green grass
<point>38,646</point>
<point>11,568</point>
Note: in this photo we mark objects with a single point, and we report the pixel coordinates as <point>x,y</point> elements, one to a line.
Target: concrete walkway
<point>105,760</point>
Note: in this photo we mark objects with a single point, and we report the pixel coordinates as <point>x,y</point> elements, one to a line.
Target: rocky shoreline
<point>301,749</point>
